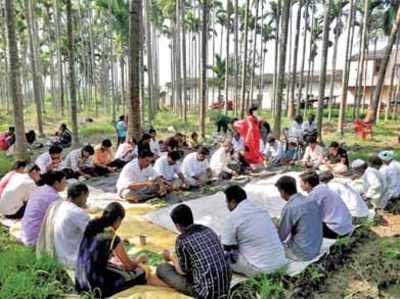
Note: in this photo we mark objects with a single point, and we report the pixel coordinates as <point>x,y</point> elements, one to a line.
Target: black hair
<point>122,118</point>
<point>63,126</point>
<point>293,143</point>
<point>106,143</point>
<point>89,149</point>
<point>179,134</point>
<point>32,167</point>
<point>375,162</point>
<point>145,154</point>
<point>287,184</point>
<point>299,119</point>
<point>182,215</point>
<point>235,193</point>
<point>310,177</point>
<point>111,213</point>
<point>175,155</point>
<point>326,177</point>
<point>52,177</point>
<point>146,136</point>
<point>76,190</point>
<point>194,134</point>
<point>271,139</point>
<point>334,144</point>
<point>203,151</point>
<point>312,139</point>
<point>252,109</point>
<point>152,131</point>
<point>19,164</point>
<point>55,149</point>
<point>11,129</point>
<point>311,116</point>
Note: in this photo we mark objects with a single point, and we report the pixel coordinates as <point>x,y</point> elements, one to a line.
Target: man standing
<point>250,237</point>
<point>336,217</point>
<point>199,268</point>
<point>300,228</point>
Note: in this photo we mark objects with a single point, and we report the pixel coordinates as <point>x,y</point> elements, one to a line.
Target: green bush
<point>94,128</point>
<point>6,163</point>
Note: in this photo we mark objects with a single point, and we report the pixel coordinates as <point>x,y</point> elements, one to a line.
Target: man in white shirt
<point>336,217</point>
<point>127,151</point>
<point>195,168</point>
<point>66,221</point>
<point>352,199</point>
<point>296,131</point>
<point>237,143</point>
<point>154,143</point>
<point>374,186</point>
<point>79,161</point>
<point>50,160</point>
<point>139,182</point>
<point>220,160</point>
<point>17,192</point>
<point>250,238</point>
<point>273,151</point>
<point>314,155</point>
<point>168,168</point>
<point>391,172</point>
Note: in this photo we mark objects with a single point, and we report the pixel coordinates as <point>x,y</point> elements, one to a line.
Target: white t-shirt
<point>44,161</point>
<point>238,145</point>
<point>296,132</point>
<point>315,156</point>
<point>16,193</point>
<point>131,173</point>
<point>274,151</point>
<point>252,230</point>
<point>70,222</point>
<point>155,147</point>
<point>392,176</point>
<point>192,167</point>
<point>352,199</point>
<point>219,161</point>
<point>166,170</point>
<point>375,187</point>
<point>125,152</point>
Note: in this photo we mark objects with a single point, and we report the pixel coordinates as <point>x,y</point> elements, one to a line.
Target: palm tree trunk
<point>373,108</point>
<point>333,76</point>
<point>72,83</point>
<point>324,60</point>
<point>204,48</point>
<point>21,152</point>
<point>244,65</point>
<point>184,85</point>
<point>289,63</point>
<point>291,107</point>
<point>227,62</point>
<point>149,62</point>
<point>276,59</point>
<point>282,64</point>
<point>253,59</point>
<point>387,109</point>
<point>236,43</point>
<point>345,79</point>
<point>135,47</point>
<point>303,59</point>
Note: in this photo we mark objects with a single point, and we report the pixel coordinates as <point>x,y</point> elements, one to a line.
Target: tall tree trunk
<point>291,107</point>
<point>253,58</point>
<point>303,59</point>
<point>236,43</point>
<point>72,83</point>
<point>334,59</point>
<point>289,63</point>
<point>59,59</point>
<point>276,58</point>
<point>227,24</point>
<point>135,47</point>
<point>394,70</point>
<point>204,47</point>
<point>345,79</point>
<point>21,152</point>
<point>282,64</point>
<point>148,40</point>
<point>184,68</point>
<point>244,64</point>
<point>373,108</point>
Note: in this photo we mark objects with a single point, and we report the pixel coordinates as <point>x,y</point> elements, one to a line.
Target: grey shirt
<point>301,227</point>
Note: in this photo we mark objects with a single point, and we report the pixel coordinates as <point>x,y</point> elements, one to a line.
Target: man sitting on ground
<point>144,143</point>
<point>195,168</point>
<point>337,160</point>
<point>167,167</point>
<point>336,217</point>
<point>300,227</point>
<point>314,154</point>
<point>374,186</point>
<point>172,143</point>
<point>296,132</point>
<point>63,137</point>
<point>79,160</point>
<point>127,151</point>
<point>273,151</point>
<point>154,144</point>
<point>50,160</point>
<point>17,192</point>
<point>199,268</point>
<point>19,167</point>
<point>63,226</point>
<point>220,160</point>
<point>103,158</point>
<point>250,237</point>
<point>352,199</point>
<point>37,206</point>
<point>310,129</point>
<point>139,182</point>
<point>391,172</point>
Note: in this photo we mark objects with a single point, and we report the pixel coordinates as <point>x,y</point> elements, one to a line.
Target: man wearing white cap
<point>374,187</point>
<point>392,174</point>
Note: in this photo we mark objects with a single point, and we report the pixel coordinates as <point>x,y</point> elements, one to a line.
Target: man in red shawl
<point>249,129</point>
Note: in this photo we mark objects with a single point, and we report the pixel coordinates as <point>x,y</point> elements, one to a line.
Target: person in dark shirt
<point>64,136</point>
<point>337,160</point>
<point>199,268</point>
<point>172,143</point>
<point>144,143</point>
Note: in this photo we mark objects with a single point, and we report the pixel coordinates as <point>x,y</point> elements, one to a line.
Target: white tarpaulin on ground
<point>212,210</point>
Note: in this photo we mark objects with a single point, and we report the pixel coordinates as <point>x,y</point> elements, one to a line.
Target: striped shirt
<point>201,257</point>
